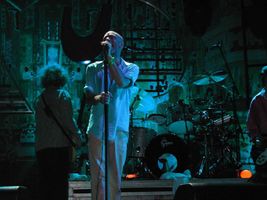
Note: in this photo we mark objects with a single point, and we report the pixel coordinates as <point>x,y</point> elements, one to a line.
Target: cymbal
<point>213,78</point>
<point>142,101</point>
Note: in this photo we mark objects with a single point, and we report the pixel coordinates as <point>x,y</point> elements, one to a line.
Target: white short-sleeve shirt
<point>119,106</point>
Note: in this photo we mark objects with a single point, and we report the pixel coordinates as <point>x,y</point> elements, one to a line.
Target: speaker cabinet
<point>221,190</point>
<point>13,193</point>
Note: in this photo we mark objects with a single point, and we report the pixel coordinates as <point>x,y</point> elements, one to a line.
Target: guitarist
<point>56,132</point>
<point>257,128</point>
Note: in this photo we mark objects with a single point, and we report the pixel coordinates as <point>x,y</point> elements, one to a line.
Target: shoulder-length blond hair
<point>53,75</point>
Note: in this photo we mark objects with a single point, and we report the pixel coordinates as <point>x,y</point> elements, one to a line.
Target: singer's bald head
<point>118,39</point>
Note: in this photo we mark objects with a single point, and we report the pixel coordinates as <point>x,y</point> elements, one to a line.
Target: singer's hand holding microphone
<point>107,47</point>
<point>103,97</point>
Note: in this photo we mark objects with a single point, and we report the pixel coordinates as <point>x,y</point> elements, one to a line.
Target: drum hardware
<point>137,166</point>
<point>234,94</point>
<point>213,126</point>
<point>227,160</point>
<point>217,152</point>
<point>142,129</point>
<point>203,168</point>
<point>223,120</point>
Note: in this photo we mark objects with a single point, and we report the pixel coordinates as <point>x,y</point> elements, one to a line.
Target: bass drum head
<point>187,155</point>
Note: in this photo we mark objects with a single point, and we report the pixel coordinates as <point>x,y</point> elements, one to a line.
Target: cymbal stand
<point>187,134</point>
<point>203,169</point>
<point>235,93</point>
<point>206,165</point>
<point>217,153</point>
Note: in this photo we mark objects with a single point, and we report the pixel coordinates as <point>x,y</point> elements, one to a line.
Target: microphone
<point>105,47</point>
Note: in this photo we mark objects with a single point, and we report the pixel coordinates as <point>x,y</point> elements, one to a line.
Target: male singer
<point>121,78</point>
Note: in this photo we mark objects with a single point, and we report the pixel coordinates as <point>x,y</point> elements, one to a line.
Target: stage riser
<point>131,190</point>
<point>133,196</point>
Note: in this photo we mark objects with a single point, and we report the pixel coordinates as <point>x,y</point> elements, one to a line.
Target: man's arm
<point>96,98</point>
<point>117,74</point>
<point>252,124</point>
<point>123,79</point>
<point>90,93</point>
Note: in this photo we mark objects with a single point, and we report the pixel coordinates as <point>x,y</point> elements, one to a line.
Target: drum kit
<point>195,137</point>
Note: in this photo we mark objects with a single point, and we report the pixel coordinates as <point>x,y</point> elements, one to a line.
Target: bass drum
<point>171,150</point>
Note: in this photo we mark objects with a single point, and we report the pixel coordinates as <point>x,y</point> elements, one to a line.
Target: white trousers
<point>117,152</point>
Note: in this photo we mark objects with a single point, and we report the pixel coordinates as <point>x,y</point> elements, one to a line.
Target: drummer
<point>173,107</point>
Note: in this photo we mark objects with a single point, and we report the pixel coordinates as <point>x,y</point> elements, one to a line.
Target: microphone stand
<point>106,127</point>
<point>235,93</point>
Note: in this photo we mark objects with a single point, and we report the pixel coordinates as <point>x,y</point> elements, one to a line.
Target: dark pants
<point>54,165</point>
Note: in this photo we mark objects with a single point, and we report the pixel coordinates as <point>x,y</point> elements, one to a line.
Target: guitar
<point>259,152</point>
<point>262,158</point>
<point>81,155</point>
